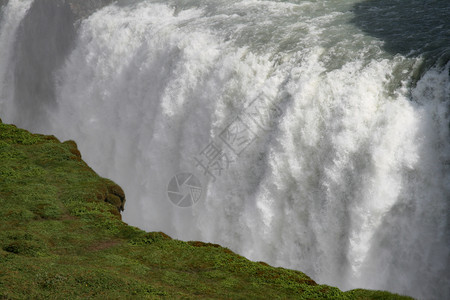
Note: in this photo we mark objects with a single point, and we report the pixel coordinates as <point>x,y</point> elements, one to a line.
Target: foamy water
<point>351,182</point>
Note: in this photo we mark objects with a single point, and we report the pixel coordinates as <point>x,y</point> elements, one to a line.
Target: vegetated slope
<point>61,236</point>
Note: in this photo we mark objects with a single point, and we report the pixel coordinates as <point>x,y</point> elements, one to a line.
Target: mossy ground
<point>60,239</point>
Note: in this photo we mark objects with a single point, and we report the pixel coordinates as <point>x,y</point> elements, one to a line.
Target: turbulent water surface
<point>318,130</point>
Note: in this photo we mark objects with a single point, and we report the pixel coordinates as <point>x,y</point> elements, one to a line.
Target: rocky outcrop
<point>115,196</point>
<point>109,192</point>
<point>50,156</point>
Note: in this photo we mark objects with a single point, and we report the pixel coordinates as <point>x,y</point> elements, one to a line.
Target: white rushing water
<point>350,183</point>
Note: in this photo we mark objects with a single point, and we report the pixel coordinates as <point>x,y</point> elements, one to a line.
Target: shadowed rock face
<point>79,8</point>
<point>45,38</point>
<point>408,27</point>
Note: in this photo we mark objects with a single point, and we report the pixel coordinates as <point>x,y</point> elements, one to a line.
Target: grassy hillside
<point>61,236</point>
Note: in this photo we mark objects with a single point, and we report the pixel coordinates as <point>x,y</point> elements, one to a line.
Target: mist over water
<point>350,185</point>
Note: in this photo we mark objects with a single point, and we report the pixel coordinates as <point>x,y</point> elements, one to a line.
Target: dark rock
<point>116,196</point>
<point>114,200</point>
<point>80,8</point>
<point>74,149</point>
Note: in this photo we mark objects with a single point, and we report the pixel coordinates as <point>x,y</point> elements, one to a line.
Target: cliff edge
<point>62,237</point>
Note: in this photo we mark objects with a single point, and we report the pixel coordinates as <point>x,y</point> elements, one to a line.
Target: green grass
<point>61,237</point>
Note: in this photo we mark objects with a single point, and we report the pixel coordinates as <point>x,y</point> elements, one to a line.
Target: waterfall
<point>314,144</point>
